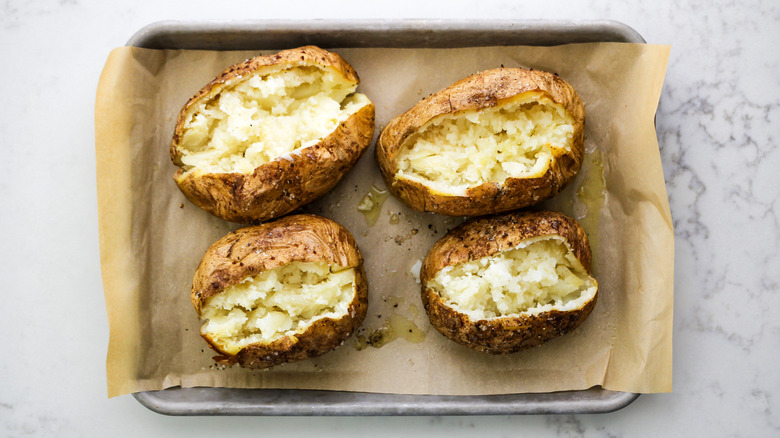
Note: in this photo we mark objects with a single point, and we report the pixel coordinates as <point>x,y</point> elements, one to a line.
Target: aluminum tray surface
<point>275,34</point>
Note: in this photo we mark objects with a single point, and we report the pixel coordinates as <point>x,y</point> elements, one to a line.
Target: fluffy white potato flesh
<point>277,302</point>
<point>539,275</point>
<point>517,139</point>
<point>260,118</point>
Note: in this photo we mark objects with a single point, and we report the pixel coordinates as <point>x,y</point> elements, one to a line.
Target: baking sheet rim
<point>449,405</point>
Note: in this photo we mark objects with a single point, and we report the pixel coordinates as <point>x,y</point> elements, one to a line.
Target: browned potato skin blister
<point>280,186</point>
<point>483,90</point>
<point>484,237</point>
<point>251,250</point>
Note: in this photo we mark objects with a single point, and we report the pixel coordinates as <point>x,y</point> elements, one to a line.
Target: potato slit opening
<point>515,139</point>
<point>260,118</point>
<point>282,301</point>
<point>540,275</point>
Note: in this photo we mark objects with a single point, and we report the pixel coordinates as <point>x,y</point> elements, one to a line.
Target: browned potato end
<point>496,141</point>
<point>271,134</point>
<point>510,282</point>
<point>280,292</point>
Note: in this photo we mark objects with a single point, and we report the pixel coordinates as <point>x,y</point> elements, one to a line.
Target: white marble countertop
<point>717,127</point>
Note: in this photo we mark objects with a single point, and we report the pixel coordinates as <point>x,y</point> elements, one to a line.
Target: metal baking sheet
<point>225,401</point>
<point>258,35</point>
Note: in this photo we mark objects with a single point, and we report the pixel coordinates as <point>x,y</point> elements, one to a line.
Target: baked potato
<point>281,291</point>
<point>271,134</point>
<point>506,283</point>
<point>495,141</point>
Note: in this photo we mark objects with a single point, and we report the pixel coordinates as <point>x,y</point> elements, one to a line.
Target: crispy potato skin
<point>483,90</point>
<point>482,238</point>
<point>280,186</point>
<point>251,250</point>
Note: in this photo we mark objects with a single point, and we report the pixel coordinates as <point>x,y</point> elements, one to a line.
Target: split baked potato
<point>495,141</point>
<point>510,282</point>
<point>280,292</point>
<point>271,134</point>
